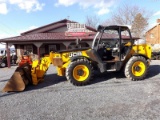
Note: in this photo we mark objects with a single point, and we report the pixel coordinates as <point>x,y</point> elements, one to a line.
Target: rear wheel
<point>79,72</point>
<point>136,68</point>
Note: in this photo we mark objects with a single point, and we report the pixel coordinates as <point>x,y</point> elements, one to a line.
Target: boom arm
<point>38,70</point>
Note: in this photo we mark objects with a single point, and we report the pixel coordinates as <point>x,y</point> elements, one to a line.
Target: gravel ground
<point>107,98</point>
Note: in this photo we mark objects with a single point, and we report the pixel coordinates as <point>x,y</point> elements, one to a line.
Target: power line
<point>7,27</point>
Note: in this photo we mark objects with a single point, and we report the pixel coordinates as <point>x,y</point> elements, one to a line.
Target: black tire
<point>136,72</point>
<point>73,68</point>
<point>3,64</point>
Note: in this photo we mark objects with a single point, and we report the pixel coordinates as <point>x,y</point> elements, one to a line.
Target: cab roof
<point>112,27</point>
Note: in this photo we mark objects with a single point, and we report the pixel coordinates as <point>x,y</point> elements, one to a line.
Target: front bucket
<point>19,80</point>
<point>16,83</point>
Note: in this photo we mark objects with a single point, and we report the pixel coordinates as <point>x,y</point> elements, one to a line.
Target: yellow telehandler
<point>113,49</point>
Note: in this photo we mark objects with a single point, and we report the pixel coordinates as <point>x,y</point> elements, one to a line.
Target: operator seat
<point>105,54</point>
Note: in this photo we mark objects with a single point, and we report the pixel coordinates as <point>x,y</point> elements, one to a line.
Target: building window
<point>151,35</point>
<point>28,48</point>
<point>52,48</point>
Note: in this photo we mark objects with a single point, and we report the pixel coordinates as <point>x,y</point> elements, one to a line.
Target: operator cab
<point>110,47</point>
<point>112,42</point>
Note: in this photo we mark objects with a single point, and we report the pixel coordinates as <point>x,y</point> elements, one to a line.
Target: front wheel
<point>79,72</point>
<point>136,68</point>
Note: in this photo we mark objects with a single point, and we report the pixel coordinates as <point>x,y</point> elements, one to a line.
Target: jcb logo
<point>72,54</point>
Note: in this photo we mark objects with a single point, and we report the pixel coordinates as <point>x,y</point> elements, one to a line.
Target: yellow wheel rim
<point>80,72</point>
<point>138,68</point>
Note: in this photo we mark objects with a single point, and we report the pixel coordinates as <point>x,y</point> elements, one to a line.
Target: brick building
<point>153,34</point>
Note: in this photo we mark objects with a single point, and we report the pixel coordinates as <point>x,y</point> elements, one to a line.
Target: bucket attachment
<point>19,80</point>
<point>27,74</point>
<point>16,83</point>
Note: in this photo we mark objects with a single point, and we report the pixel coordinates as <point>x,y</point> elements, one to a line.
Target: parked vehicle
<point>3,58</point>
<point>2,52</point>
<point>113,49</point>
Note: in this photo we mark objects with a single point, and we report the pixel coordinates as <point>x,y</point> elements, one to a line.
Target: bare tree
<point>127,15</point>
<point>139,25</point>
<point>92,21</point>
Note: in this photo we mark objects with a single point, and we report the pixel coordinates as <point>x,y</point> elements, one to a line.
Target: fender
<point>141,55</point>
<point>79,57</point>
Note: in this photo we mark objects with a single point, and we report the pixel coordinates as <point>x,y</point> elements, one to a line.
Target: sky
<point>17,16</point>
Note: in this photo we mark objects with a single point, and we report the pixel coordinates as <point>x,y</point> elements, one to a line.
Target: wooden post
<point>67,44</point>
<point>8,56</point>
<point>38,45</point>
<point>67,48</point>
<point>38,52</point>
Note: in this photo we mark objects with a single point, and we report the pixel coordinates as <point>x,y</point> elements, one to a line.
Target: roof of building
<point>153,27</point>
<point>55,36</point>
<point>54,25</point>
<point>46,33</point>
<point>45,36</point>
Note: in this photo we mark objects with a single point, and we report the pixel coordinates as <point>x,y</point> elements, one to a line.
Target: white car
<point>3,52</point>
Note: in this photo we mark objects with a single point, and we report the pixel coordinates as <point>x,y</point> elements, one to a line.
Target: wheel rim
<point>138,68</point>
<point>80,72</point>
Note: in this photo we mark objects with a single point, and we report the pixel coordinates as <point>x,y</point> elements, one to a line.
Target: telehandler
<point>113,49</point>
